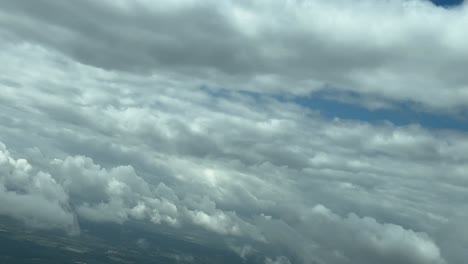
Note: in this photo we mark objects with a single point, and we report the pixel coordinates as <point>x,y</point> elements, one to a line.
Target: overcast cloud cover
<point>177,113</point>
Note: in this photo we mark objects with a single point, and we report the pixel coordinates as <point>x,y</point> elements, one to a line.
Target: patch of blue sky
<point>400,114</point>
<point>447,3</point>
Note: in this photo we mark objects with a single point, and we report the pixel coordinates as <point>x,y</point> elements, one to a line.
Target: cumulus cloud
<point>33,197</point>
<point>120,117</point>
<point>365,240</point>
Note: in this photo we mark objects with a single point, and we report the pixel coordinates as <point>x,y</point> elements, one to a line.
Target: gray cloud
<point>385,51</point>
<point>84,141</point>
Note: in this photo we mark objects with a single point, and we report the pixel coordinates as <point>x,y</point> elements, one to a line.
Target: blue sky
<point>447,2</point>
<point>399,114</point>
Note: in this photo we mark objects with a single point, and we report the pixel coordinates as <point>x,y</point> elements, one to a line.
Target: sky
<point>310,131</point>
<point>447,2</point>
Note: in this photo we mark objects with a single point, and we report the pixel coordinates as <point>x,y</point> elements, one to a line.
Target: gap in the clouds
<point>447,3</point>
<point>399,114</point>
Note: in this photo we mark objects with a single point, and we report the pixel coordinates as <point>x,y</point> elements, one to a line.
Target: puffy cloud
<point>364,240</point>
<point>321,236</point>
<point>33,197</point>
<point>263,175</point>
<point>100,195</point>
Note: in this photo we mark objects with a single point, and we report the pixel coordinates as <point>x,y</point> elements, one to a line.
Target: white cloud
<point>33,197</point>
<point>108,146</point>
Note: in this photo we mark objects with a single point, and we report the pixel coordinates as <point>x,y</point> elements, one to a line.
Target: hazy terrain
<point>100,244</point>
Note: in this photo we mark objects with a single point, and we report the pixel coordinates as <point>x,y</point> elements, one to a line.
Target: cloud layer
<point>121,111</point>
<point>386,51</point>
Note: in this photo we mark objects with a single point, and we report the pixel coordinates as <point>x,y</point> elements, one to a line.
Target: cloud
<point>367,241</point>
<point>386,51</point>
<point>278,260</point>
<point>33,197</point>
<point>123,135</point>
